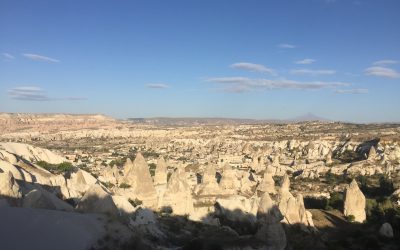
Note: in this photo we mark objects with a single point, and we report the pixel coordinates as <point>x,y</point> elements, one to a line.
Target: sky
<point>337,59</point>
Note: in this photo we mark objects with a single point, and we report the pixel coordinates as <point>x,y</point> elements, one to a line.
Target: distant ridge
<point>221,121</point>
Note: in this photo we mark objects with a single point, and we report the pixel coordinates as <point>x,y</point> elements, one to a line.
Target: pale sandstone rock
<point>128,165</point>
<point>97,200</point>
<point>270,230</point>
<point>209,185</point>
<point>8,157</point>
<point>32,153</point>
<point>40,198</point>
<point>386,230</point>
<point>267,184</point>
<point>238,208</point>
<point>123,205</point>
<point>178,194</point>
<point>285,184</point>
<point>160,175</point>
<point>247,184</point>
<point>354,202</point>
<point>9,188</point>
<point>110,175</point>
<point>79,183</point>
<point>139,178</point>
<point>8,167</point>
<point>229,182</point>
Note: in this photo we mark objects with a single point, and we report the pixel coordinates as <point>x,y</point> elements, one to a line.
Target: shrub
<point>350,218</point>
<point>124,185</point>
<point>119,162</point>
<point>149,154</point>
<point>386,185</point>
<point>335,201</point>
<point>349,156</point>
<point>108,184</point>
<point>335,179</point>
<point>64,167</point>
<point>136,202</point>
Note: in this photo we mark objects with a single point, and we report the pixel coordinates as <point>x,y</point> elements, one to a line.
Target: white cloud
<point>351,91</point>
<point>156,86</point>
<point>312,72</point>
<point>33,93</point>
<point>253,67</point>
<point>243,84</point>
<point>286,46</point>
<point>305,61</point>
<point>385,62</point>
<point>8,56</point>
<point>41,58</point>
<point>382,71</point>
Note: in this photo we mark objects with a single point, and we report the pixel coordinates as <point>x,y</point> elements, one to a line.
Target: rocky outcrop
<point>139,178</point>
<point>31,153</point>
<point>247,184</point>
<point>40,198</point>
<point>267,184</point>
<point>372,154</point>
<point>292,208</point>
<point>160,175</point>
<point>354,202</point>
<point>386,230</point>
<point>229,183</point>
<point>110,175</point>
<point>9,188</point>
<point>97,200</point>
<point>79,183</point>
<point>238,208</point>
<point>178,195</point>
<point>209,185</point>
<point>270,229</point>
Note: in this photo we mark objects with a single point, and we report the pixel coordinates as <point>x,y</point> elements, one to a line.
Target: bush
<point>124,185</point>
<point>336,179</point>
<point>350,218</point>
<point>135,202</point>
<point>349,156</point>
<point>64,167</point>
<point>119,162</point>
<point>108,184</point>
<point>335,201</point>
<point>149,154</point>
<point>386,185</point>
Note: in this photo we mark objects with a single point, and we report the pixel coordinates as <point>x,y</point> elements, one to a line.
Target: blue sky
<point>338,59</point>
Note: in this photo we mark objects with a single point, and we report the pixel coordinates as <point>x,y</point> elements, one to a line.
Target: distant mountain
<point>308,117</point>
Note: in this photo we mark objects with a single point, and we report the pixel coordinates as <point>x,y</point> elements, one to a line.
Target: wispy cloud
<point>156,86</point>
<point>351,91</point>
<point>385,62</point>
<point>305,61</point>
<point>382,71</point>
<point>8,56</point>
<point>33,93</point>
<point>28,93</point>
<point>253,67</point>
<point>312,72</point>
<point>243,84</point>
<point>286,46</point>
<point>41,58</point>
